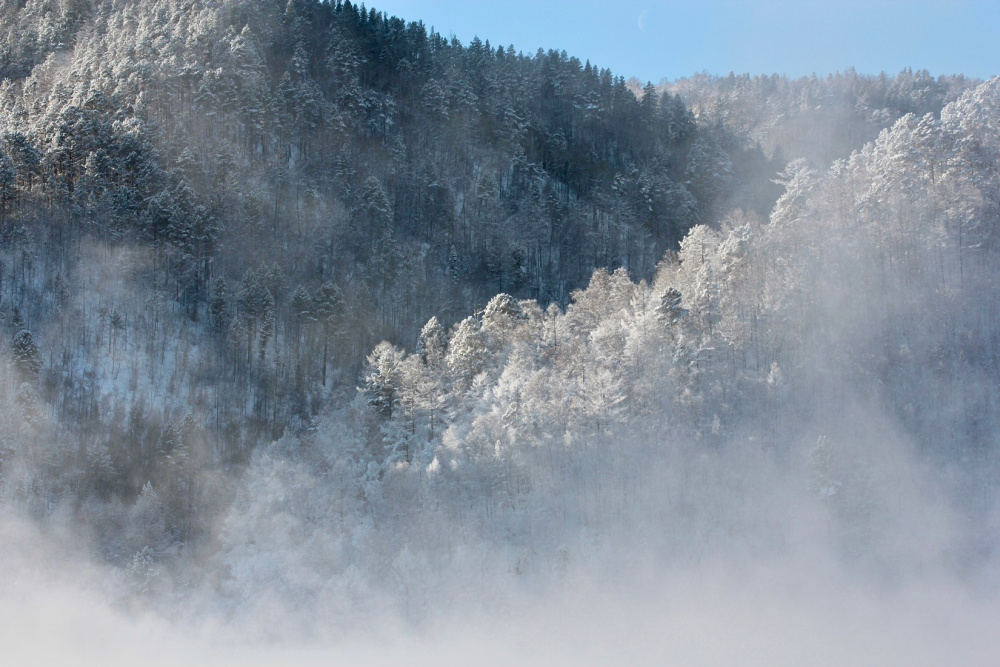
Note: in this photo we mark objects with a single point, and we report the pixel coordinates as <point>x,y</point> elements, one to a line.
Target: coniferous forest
<point>317,325</point>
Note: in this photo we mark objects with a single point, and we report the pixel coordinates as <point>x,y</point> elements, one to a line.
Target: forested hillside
<point>312,316</point>
<point>281,186</point>
<point>371,150</point>
<point>239,199</point>
<point>840,358</point>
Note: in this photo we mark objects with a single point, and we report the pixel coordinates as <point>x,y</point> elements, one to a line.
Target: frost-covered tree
<point>500,317</point>
<point>382,380</point>
<point>432,343</point>
<point>798,180</point>
<point>25,354</point>
<point>467,352</point>
<point>670,310</point>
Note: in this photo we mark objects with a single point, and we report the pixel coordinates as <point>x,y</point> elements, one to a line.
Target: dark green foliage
<point>60,289</point>
<point>218,303</point>
<point>404,150</point>
<point>671,310</point>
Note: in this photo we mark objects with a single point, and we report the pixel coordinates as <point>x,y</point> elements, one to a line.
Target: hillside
<point>239,200</point>
<point>317,323</point>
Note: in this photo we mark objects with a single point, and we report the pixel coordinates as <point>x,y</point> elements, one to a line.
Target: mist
<point>728,605</point>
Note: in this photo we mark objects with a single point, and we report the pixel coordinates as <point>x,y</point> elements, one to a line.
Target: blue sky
<point>656,39</point>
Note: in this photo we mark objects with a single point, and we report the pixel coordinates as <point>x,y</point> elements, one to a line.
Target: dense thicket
<point>365,148</point>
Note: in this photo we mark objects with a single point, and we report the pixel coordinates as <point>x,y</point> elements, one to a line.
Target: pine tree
<point>706,299</point>
<point>382,379</point>
<point>798,180</point>
<point>25,352</point>
<point>257,307</point>
<point>328,310</point>
<point>467,352</point>
<point>454,266</point>
<point>671,309</point>
<point>432,343</point>
<point>60,289</point>
<point>218,303</point>
<point>501,315</point>
<point>8,184</point>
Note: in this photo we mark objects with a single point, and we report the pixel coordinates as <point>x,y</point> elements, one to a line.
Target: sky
<point>669,39</point>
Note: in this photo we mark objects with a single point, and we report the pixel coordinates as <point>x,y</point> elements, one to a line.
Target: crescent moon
<point>642,20</point>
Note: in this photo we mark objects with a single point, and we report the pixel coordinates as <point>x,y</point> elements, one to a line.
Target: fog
<point>724,610</point>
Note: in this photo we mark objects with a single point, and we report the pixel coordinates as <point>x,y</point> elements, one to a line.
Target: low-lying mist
<point>701,557</point>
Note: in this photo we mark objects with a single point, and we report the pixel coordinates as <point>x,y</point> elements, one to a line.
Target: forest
<point>317,322</point>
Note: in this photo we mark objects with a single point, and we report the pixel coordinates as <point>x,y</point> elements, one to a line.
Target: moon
<point>642,20</point>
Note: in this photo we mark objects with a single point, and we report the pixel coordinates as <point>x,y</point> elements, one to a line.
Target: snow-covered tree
<point>467,352</point>
<point>381,379</point>
<point>25,354</point>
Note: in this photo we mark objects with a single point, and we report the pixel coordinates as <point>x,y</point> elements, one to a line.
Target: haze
<point>326,337</point>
